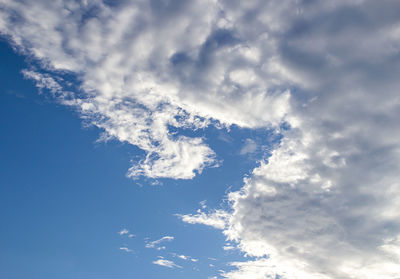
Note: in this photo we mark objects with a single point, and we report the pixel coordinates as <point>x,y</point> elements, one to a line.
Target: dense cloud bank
<point>326,204</point>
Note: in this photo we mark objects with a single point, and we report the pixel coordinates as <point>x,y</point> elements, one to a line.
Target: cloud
<point>250,146</point>
<point>126,249</point>
<point>166,263</point>
<point>216,219</point>
<point>155,243</point>
<point>144,71</point>
<point>185,258</point>
<point>123,231</point>
<point>126,232</point>
<point>326,70</point>
<point>267,269</point>
<point>332,183</point>
<point>228,247</point>
<point>119,92</point>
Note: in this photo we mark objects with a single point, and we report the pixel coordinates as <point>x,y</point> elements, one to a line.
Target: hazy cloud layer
<point>326,204</point>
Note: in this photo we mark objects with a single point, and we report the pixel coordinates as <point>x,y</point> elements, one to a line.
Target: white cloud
<point>126,249</point>
<point>229,247</point>
<point>185,258</point>
<point>203,204</point>
<point>123,231</point>
<point>216,219</point>
<point>155,243</point>
<point>268,269</point>
<point>145,68</point>
<point>166,263</point>
<point>332,183</point>
<point>327,68</point>
<point>250,146</point>
<point>43,81</point>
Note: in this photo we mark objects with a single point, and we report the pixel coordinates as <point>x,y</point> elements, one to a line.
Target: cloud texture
<point>326,204</point>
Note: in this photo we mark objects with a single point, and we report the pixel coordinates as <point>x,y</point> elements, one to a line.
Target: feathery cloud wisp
<point>166,263</point>
<point>155,243</point>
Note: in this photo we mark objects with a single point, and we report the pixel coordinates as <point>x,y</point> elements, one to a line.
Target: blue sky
<point>199,139</point>
<point>65,197</point>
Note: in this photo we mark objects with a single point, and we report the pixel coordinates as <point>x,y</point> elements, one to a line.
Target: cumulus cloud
<point>326,70</point>
<point>332,184</point>
<point>112,51</point>
<point>146,66</point>
<point>228,247</point>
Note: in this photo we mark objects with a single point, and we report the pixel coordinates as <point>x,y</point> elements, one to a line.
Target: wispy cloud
<point>123,231</point>
<point>126,249</point>
<point>216,219</point>
<point>184,257</point>
<point>249,147</point>
<point>155,244</point>
<point>229,247</point>
<point>166,263</point>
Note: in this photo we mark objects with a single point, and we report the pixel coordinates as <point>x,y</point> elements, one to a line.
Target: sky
<point>200,139</point>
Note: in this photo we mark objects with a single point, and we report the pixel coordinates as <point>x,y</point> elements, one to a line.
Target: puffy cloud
<point>326,203</point>
<point>269,269</point>
<point>146,66</point>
